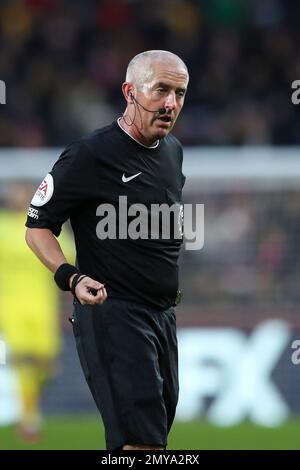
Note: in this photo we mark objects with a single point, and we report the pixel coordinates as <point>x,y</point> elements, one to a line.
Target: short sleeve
<point>67,185</point>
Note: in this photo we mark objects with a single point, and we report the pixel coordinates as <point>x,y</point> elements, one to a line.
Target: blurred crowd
<point>250,260</point>
<point>63,62</point>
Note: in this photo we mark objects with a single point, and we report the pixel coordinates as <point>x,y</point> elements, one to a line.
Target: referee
<point>125,288</point>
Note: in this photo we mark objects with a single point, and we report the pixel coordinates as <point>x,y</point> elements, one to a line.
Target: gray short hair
<point>139,70</point>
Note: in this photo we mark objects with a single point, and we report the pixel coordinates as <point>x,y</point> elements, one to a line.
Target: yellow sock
<point>30,387</point>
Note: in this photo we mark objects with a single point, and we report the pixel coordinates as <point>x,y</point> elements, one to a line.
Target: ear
<point>128,90</point>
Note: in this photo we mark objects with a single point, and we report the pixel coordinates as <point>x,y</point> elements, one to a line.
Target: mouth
<point>165,119</point>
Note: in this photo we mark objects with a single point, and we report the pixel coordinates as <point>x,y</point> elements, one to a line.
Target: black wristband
<point>63,274</point>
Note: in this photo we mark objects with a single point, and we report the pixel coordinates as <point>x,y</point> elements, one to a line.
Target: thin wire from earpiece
<point>131,119</point>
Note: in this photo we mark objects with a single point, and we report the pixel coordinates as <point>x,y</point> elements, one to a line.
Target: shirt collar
<point>146,146</point>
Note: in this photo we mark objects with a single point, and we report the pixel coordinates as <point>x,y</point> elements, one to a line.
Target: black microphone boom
<point>162,111</point>
<point>159,111</point>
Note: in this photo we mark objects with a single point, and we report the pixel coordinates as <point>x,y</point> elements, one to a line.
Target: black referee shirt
<point>98,169</point>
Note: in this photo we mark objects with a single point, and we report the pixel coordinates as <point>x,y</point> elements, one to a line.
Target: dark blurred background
<point>64,61</point>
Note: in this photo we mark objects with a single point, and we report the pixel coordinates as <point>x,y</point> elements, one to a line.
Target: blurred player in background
<point>28,310</point>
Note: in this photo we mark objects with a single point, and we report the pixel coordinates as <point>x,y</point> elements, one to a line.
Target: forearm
<point>46,247</point>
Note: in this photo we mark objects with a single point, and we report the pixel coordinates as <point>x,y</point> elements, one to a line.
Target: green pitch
<point>76,432</point>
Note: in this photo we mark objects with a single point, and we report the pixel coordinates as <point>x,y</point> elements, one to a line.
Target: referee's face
<point>165,89</point>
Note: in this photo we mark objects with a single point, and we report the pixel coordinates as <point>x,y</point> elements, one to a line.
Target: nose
<point>170,102</point>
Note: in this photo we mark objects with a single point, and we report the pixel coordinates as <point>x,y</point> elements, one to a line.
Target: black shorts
<point>128,353</point>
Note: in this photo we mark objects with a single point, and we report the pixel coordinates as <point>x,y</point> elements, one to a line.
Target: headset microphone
<point>159,111</point>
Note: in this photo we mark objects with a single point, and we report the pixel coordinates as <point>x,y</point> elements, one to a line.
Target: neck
<point>127,124</point>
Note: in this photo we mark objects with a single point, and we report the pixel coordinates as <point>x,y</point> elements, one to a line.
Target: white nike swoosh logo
<point>125,179</point>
